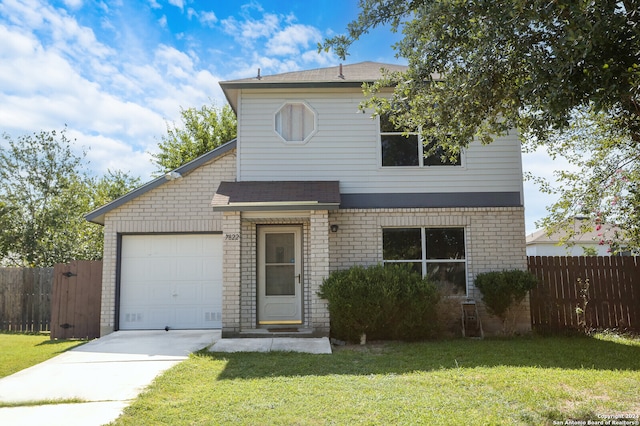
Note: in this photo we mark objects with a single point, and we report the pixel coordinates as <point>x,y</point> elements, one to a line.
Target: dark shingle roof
<point>339,76</point>
<point>280,195</point>
<point>358,73</point>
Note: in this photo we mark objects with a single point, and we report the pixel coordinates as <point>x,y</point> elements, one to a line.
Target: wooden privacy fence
<point>612,295</point>
<point>64,300</point>
<point>25,299</point>
<point>75,305</point>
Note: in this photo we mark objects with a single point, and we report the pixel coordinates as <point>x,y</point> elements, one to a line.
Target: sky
<point>115,73</point>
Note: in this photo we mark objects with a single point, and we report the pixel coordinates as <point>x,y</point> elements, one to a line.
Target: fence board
<point>613,294</point>
<point>25,297</point>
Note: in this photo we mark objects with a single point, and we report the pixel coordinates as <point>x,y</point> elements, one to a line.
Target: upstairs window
<point>295,122</point>
<point>400,149</point>
<point>437,253</point>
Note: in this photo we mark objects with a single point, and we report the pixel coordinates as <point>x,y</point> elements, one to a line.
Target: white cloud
<point>292,39</point>
<point>177,3</point>
<point>208,18</point>
<point>250,29</point>
<point>115,104</point>
<point>73,4</point>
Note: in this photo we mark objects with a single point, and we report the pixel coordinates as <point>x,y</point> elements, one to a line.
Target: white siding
<point>346,146</point>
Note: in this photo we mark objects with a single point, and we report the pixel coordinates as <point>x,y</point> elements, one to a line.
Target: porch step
<point>274,332</point>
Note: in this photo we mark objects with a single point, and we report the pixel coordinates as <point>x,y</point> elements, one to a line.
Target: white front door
<point>279,275</point>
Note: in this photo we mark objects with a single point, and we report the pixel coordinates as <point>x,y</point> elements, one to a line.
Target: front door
<point>279,275</point>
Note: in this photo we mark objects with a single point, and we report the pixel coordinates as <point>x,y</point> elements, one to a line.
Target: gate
<point>76,298</point>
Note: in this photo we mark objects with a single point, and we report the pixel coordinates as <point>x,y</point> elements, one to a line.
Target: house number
<point>232,237</point>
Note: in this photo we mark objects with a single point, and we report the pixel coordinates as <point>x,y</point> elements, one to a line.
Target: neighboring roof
<point>277,195</point>
<point>97,216</point>
<point>339,76</point>
<point>591,237</point>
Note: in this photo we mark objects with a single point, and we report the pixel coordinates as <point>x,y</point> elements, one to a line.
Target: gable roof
<point>339,76</point>
<point>589,237</point>
<point>97,216</point>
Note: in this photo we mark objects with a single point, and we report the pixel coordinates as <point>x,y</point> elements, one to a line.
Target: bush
<point>383,302</point>
<point>504,289</point>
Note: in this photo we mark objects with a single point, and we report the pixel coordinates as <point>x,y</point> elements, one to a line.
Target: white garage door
<point>171,281</point>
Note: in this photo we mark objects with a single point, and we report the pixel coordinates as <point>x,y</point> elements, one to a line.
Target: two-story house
<point>242,237</point>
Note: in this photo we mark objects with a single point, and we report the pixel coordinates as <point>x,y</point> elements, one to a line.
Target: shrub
<point>382,302</point>
<point>502,290</point>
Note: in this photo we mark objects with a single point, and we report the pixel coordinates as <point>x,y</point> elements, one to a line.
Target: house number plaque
<point>232,237</point>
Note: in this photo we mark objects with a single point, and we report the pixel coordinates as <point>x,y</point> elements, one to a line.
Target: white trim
<point>276,214</point>
<point>297,298</point>
<point>307,137</point>
<point>240,128</point>
<point>424,261</point>
<point>419,153</point>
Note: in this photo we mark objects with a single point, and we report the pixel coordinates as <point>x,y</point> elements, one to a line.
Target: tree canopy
<point>477,69</point>
<point>44,194</point>
<point>202,130</point>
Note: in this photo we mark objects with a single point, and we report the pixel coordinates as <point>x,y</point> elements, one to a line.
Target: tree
<point>603,183</point>
<point>203,130</point>
<point>44,193</point>
<point>479,68</point>
<point>100,191</point>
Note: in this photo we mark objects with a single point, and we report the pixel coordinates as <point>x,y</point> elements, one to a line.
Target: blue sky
<point>116,72</point>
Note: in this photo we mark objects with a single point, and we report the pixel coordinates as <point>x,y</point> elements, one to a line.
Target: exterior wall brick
<point>231,273</point>
<point>179,206</point>
<point>495,240</point>
<point>247,303</point>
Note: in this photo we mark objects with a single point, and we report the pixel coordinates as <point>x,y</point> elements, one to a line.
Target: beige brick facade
<point>315,267</point>
<point>494,241</point>
<point>178,206</point>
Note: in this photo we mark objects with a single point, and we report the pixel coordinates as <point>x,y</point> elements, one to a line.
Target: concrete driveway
<point>108,373</point>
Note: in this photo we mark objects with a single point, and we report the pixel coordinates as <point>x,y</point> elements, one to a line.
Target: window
<point>400,150</point>
<point>295,122</point>
<point>437,253</point>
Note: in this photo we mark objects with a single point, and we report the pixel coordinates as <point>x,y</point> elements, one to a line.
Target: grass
<point>519,381</point>
<point>20,351</point>
<point>41,402</point>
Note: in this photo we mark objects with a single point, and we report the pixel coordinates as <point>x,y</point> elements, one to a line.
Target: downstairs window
<point>437,253</point>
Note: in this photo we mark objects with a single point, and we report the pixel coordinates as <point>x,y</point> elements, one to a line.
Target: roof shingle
<point>283,194</point>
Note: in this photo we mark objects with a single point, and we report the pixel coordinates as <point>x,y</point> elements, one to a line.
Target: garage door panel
<point>192,268</point>
<point>161,316</point>
<point>190,247</point>
<point>160,269</point>
<point>174,281</point>
<point>163,245</point>
<point>188,292</point>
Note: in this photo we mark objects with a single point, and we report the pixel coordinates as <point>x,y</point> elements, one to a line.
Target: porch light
<point>334,228</point>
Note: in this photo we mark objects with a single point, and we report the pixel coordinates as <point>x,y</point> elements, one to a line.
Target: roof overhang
<point>277,196</point>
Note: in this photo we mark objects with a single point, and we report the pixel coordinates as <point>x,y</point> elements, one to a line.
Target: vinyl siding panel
<point>345,148</point>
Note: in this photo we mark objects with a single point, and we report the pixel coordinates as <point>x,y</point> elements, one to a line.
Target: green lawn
<point>459,382</point>
<point>19,351</point>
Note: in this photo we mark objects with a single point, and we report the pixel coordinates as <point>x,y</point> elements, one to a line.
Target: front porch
<point>276,256</point>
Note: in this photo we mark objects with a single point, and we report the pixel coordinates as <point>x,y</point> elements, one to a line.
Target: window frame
<point>308,137</point>
<point>425,261</point>
<point>419,150</point>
